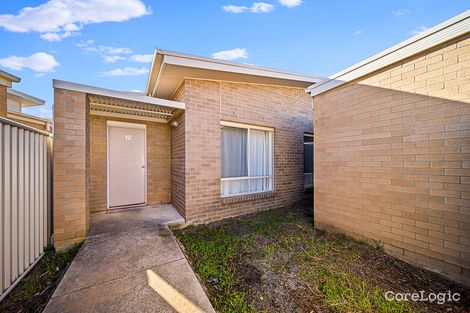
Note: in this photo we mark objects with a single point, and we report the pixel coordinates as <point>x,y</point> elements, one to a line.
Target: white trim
<point>125,125</point>
<point>124,95</point>
<point>162,58</point>
<point>9,77</point>
<point>246,126</point>
<point>188,60</point>
<point>30,100</point>
<point>448,30</point>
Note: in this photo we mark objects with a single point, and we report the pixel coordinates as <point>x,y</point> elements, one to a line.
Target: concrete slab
<point>109,272</point>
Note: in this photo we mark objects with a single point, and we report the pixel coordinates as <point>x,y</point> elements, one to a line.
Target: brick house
<point>213,138</point>
<point>12,102</point>
<point>392,149</point>
<point>218,139</point>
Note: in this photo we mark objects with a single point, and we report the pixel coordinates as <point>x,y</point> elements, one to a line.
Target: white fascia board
<point>30,100</point>
<point>125,95</point>
<point>147,88</point>
<point>9,77</point>
<point>216,65</point>
<point>448,30</point>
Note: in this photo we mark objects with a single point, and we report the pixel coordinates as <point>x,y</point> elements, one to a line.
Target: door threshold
<point>126,207</point>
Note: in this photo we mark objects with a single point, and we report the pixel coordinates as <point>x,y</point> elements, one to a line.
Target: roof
<point>29,117</point>
<point>6,79</point>
<point>24,99</point>
<point>170,68</point>
<point>448,30</point>
<point>123,95</point>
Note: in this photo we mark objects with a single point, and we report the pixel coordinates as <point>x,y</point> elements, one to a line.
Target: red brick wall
<point>392,162</point>
<point>287,110</point>
<point>158,162</point>
<point>70,172</point>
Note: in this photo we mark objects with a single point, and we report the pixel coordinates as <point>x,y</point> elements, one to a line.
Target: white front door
<point>126,164</point>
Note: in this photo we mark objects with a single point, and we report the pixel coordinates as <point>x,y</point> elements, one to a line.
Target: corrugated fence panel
<point>25,173</point>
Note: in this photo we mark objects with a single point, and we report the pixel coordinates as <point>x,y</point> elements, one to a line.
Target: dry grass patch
<point>274,261</point>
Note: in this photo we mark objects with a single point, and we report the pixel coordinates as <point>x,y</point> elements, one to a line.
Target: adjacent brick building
<point>392,150</point>
<point>13,101</point>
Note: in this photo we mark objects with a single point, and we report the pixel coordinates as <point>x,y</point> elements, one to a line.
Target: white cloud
<point>89,46</point>
<point>234,8</point>
<point>261,7</point>
<point>418,30</point>
<point>290,3</point>
<point>109,54</point>
<point>126,71</point>
<point>56,36</point>
<point>113,58</point>
<point>69,16</point>
<point>112,50</point>
<point>142,58</point>
<point>137,90</point>
<point>358,32</point>
<point>401,12</point>
<point>39,62</point>
<point>257,7</point>
<point>233,54</point>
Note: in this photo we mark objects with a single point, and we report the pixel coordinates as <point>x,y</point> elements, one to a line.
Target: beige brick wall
<point>35,125</point>
<point>178,196</point>
<point>70,176</point>
<point>3,101</point>
<point>392,162</point>
<point>287,110</point>
<point>158,162</point>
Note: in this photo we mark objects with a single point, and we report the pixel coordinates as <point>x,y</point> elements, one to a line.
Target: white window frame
<point>249,178</point>
<point>308,143</point>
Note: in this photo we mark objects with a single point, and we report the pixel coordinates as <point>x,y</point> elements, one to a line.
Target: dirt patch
<point>275,261</point>
<point>34,291</point>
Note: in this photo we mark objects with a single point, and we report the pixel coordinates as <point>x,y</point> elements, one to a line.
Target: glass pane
<point>270,183</point>
<point>234,187</point>
<point>257,184</point>
<point>258,153</point>
<point>234,162</point>
<point>308,179</point>
<point>260,184</point>
<point>269,149</point>
<point>308,158</point>
<point>308,138</point>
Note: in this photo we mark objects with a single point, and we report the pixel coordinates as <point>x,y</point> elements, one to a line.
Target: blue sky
<point>108,43</point>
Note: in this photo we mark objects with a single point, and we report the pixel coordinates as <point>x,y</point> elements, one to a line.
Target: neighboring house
<point>214,138</point>
<point>13,101</point>
<point>392,149</point>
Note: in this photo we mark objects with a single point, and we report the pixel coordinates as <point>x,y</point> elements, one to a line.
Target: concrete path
<point>109,273</point>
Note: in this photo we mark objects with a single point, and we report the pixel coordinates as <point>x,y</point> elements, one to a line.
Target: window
<point>247,159</point>
<point>308,160</point>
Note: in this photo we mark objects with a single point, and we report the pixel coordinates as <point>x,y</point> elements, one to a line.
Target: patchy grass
<point>274,261</point>
<point>34,291</point>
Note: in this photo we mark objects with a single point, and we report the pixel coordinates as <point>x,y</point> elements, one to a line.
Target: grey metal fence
<point>25,199</point>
